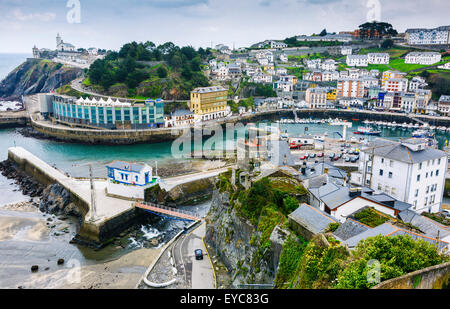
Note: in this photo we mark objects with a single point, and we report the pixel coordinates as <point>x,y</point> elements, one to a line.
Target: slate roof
<point>350,229</point>
<point>398,152</point>
<point>311,218</point>
<point>182,112</point>
<point>126,166</point>
<point>334,195</point>
<point>319,168</point>
<point>388,229</point>
<point>428,226</point>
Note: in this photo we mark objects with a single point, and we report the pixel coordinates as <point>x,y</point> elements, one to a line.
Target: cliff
<point>36,76</point>
<point>248,227</point>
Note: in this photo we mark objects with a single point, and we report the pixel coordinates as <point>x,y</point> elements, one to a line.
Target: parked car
<point>354,159</point>
<point>339,155</point>
<point>335,159</point>
<point>313,155</point>
<point>347,159</point>
<point>198,254</point>
<point>332,155</point>
<point>303,157</point>
<point>320,155</point>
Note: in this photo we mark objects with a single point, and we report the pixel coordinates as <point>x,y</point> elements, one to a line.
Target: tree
<point>323,33</point>
<point>388,43</point>
<point>162,72</point>
<point>369,29</point>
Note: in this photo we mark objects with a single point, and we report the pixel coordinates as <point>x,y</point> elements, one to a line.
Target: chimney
<point>354,192</point>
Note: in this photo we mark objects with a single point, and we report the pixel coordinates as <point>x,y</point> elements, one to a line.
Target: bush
<point>397,256</point>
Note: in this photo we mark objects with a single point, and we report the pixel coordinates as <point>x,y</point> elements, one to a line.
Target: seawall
<point>435,277</point>
<point>14,119</point>
<point>113,216</point>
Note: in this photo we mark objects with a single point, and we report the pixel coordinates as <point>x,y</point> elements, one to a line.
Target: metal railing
<point>180,211</point>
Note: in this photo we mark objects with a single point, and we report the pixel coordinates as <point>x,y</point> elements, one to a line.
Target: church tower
<point>58,40</point>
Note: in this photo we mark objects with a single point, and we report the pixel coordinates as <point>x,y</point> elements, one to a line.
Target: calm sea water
<point>9,62</point>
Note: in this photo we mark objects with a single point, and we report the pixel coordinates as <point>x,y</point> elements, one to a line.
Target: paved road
<point>198,273</point>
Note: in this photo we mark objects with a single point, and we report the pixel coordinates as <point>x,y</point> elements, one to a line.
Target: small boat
<point>367,131</point>
<point>422,134</point>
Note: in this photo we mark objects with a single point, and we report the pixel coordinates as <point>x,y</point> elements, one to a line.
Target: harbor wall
<point>14,119</point>
<point>94,136</point>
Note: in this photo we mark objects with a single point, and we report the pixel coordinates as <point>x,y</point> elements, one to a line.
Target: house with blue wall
<point>129,180</point>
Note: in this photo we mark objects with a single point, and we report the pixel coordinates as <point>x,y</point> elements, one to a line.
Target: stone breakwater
<point>51,199</point>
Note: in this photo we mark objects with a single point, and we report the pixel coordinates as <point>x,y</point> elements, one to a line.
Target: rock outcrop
<point>36,76</point>
<point>236,242</point>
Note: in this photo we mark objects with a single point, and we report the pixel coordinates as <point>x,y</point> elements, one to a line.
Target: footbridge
<point>167,211</point>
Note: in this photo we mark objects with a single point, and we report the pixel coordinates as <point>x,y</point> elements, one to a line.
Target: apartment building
<point>436,36</point>
<point>357,60</point>
<point>209,103</point>
<point>391,74</point>
<point>378,58</point>
<point>350,88</point>
<point>396,84</point>
<point>444,104</point>
<point>316,97</point>
<point>424,58</point>
<point>409,171</point>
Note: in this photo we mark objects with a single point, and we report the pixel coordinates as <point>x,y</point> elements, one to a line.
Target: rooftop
<point>126,166</point>
<point>312,218</point>
<point>399,152</point>
<point>209,89</point>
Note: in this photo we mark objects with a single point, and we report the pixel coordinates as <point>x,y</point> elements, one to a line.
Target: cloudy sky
<point>111,23</point>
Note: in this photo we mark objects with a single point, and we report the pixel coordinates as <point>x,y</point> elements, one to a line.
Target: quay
<point>111,215</point>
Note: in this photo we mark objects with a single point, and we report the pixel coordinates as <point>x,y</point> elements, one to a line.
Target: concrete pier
<point>112,215</point>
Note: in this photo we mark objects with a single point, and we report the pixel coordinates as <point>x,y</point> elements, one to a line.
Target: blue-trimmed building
<point>129,180</point>
<point>109,114</point>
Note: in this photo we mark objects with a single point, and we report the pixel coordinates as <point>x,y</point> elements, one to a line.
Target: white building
<point>417,82</point>
<point>446,66</point>
<point>278,44</point>
<point>284,58</point>
<point>357,60</point>
<point>437,36</point>
<point>379,58</point>
<point>316,98</point>
<point>395,84</point>
<point>346,50</point>
<point>409,171</point>
<point>63,46</point>
<point>328,65</point>
<point>425,58</point>
<point>129,180</point>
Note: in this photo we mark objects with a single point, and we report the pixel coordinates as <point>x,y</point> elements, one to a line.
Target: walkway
<point>171,212</point>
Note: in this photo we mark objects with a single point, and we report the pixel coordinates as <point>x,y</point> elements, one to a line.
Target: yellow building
<point>387,75</point>
<point>332,95</point>
<point>209,102</point>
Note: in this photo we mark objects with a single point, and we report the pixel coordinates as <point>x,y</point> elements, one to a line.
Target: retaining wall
<point>435,277</point>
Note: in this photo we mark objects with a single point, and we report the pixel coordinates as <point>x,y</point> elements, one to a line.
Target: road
<point>198,273</point>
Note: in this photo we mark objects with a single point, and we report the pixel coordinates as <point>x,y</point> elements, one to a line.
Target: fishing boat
<point>422,134</point>
<point>367,131</point>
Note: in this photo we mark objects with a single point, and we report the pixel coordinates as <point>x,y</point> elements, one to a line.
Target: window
<point>391,163</point>
<point>426,201</point>
<point>390,174</point>
<point>382,160</point>
<point>437,173</point>
<point>428,189</point>
<point>393,191</point>
<point>420,166</point>
<point>381,172</point>
<point>426,175</point>
<point>417,193</point>
<point>379,187</point>
<point>415,204</point>
<point>418,177</point>
<point>439,162</point>
<point>431,175</point>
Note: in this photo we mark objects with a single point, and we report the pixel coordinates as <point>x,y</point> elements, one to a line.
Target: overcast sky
<point>111,23</point>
